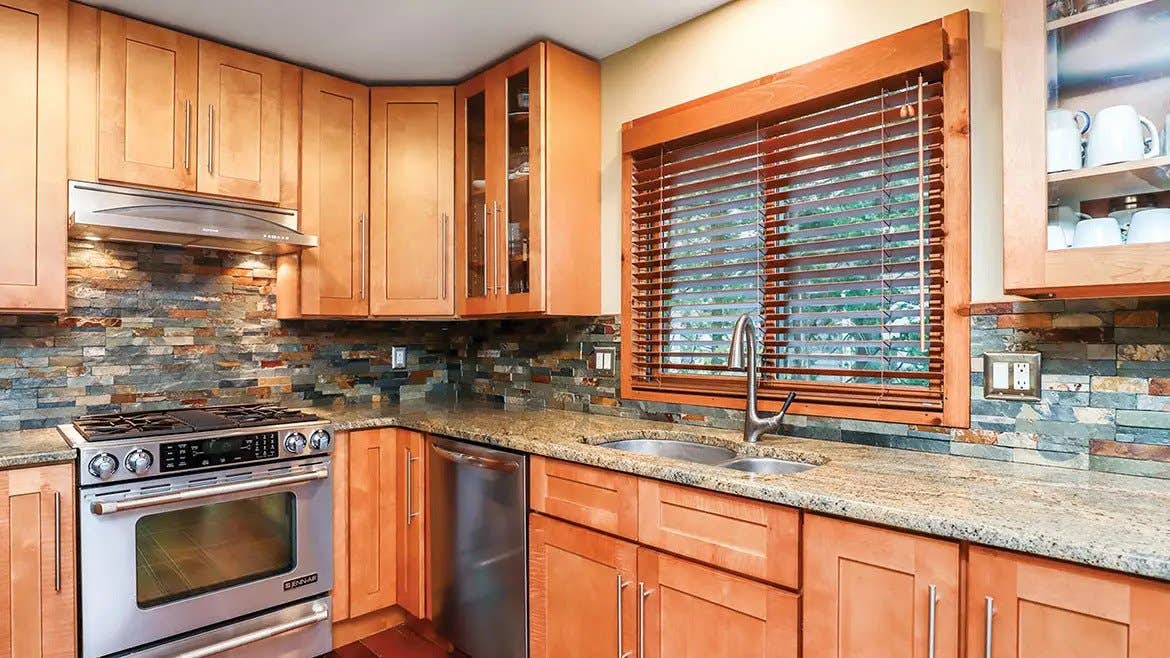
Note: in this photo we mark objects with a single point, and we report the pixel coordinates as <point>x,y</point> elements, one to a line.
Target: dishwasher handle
<point>475,460</point>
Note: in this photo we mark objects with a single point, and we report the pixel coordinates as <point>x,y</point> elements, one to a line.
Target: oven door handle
<point>102,508</point>
<point>320,614</point>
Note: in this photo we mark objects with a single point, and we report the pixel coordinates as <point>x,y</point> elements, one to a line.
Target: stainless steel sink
<point>766,465</point>
<point>699,453</point>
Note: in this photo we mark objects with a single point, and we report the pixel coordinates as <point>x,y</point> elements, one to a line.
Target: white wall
<point>748,39</point>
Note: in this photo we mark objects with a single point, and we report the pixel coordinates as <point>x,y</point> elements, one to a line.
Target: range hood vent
<point>125,214</point>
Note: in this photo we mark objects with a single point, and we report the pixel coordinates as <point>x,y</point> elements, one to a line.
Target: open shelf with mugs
<point>1086,162</point>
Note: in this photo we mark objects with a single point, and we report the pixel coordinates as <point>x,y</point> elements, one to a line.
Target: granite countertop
<point>1116,522</point>
<point>32,447</point>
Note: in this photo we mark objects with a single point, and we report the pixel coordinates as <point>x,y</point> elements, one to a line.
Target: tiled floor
<point>399,642</point>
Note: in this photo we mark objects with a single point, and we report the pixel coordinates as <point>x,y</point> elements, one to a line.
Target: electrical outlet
<point>1011,376</point>
<point>397,357</point>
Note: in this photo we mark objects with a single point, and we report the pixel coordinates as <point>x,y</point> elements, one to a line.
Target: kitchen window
<point>831,203</point>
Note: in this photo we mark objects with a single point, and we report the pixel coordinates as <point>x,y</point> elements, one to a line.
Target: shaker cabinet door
<point>373,534</point>
<point>582,592</point>
<point>412,201</point>
<point>335,168</point>
<point>868,592</point>
<point>147,84</point>
<point>1041,608</point>
<point>412,521</point>
<point>32,155</point>
<point>240,98</point>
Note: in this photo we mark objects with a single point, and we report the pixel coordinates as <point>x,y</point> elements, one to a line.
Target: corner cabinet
<point>527,178</point>
<point>1085,112</point>
<point>38,615</point>
<point>33,50</point>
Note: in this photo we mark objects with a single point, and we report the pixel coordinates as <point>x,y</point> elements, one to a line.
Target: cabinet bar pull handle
<point>362,244</point>
<point>409,488</point>
<point>57,541</point>
<point>931,613</point>
<point>187,137</point>
<point>211,139</point>
<point>443,249</point>
<point>621,585</point>
<point>989,612</point>
<point>643,594</point>
<point>487,290</point>
<point>496,248</point>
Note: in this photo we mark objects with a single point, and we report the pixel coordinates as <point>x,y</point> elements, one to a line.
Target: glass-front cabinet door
<point>1087,165</point>
<point>474,243</point>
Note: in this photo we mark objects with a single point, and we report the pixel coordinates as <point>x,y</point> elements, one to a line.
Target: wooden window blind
<point>827,224</point>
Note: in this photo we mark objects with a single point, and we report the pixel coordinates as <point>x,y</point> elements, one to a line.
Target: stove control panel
<point>201,453</point>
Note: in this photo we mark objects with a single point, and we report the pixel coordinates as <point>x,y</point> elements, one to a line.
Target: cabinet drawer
<point>592,497</point>
<point>745,536</point>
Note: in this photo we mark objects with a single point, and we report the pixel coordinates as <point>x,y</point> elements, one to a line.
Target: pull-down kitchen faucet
<point>743,343</point>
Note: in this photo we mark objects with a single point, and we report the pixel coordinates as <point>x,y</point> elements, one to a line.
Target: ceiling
<point>413,40</point>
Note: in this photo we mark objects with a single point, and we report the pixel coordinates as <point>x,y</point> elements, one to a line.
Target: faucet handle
<point>787,403</point>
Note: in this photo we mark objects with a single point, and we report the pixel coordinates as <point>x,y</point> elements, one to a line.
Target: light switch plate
<point>603,358</point>
<point>397,357</point>
<point>1011,376</point>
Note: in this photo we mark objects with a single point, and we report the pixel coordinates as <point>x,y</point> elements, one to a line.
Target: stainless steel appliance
<point>479,548</point>
<point>98,211</point>
<point>205,532</point>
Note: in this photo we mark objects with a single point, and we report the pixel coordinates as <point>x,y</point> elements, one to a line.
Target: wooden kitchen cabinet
<point>527,178</point>
<point>868,591</point>
<point>241,97</point>
<point>176,112</point>
<point>582,592</point>
<point>38,617</point>
<point>1042,608</point>
<point>412,201</point>
<point>147,104</point>
<point>335,187</point>
<point>33,50</point>
<point>373,532</point>
<point>695,610</point>
<point>412,522</point>
<point>1081,61</point>
<point>596,498</point>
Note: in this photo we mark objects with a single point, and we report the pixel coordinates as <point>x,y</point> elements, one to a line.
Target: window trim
<point>941,42</point>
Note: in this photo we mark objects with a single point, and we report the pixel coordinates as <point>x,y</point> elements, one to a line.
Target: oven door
<point>174,555</point>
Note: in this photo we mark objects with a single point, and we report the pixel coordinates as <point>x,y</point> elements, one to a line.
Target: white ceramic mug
<point>1064,138</point>
<point>1150,225</point>
<point>1057,238</point>
<point>1097,232</point>
<point>1117,137</point>
<point>1066,218</point>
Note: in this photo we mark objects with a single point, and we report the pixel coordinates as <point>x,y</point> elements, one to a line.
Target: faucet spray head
<point>735,354</point>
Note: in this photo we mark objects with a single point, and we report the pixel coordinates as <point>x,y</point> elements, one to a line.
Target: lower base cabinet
<point>595,595</point>
<point>38,600</point>
<point>1026,607</point>
<point>878,593</point>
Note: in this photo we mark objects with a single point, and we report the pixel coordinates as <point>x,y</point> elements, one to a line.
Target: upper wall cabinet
<point>527,172</point>
<point>180,113</point>
<point>335,202</point>
<point>1086,196</point>
<point>32,154</point>
<point>412,199</point>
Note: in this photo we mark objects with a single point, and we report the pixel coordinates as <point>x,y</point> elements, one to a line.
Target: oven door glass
<point>187,552</point>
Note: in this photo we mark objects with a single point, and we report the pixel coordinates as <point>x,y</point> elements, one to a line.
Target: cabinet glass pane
<point>1108,78</point>
<point>518,230</point>
<point>477,246</point>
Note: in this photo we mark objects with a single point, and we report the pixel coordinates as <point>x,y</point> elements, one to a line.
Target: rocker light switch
<point>603,358</point>
<point>1011,376</point>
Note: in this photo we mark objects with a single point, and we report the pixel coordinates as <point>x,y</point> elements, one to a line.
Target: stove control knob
<point>103,466</point>
<point>320,440</point>
<point>139,461</point>
<point>295,443</point>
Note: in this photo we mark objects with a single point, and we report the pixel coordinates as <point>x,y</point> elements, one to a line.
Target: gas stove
<point>137,445</point>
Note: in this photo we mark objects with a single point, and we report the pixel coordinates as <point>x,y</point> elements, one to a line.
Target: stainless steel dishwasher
<point>479,548</point>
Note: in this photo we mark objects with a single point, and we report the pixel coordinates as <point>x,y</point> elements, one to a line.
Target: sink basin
<point>766,465</point>
<point>699,453</point>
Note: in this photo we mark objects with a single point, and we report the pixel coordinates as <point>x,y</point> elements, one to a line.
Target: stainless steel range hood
<point>125,214</point>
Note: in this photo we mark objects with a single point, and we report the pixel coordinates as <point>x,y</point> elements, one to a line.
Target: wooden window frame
<point>942,42</point>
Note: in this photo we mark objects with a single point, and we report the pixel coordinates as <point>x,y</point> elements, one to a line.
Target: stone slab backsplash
<point>153,327</point>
